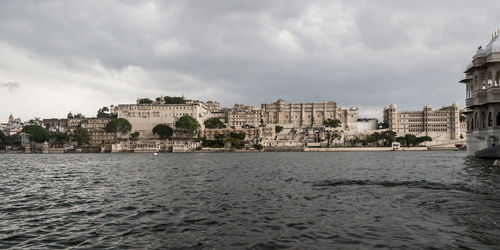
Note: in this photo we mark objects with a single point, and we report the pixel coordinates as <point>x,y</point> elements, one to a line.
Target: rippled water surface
<point>250,200</point>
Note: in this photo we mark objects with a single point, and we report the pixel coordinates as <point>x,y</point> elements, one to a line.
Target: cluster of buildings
<point>301,125</point>
<point>12,127</point>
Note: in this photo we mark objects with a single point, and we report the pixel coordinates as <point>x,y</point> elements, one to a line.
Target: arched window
<point>490,119</point>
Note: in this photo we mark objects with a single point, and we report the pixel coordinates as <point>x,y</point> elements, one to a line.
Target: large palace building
<point>308,114</point>
<point>144,117</point>
<point>442,125</point>
<point>483,100</point>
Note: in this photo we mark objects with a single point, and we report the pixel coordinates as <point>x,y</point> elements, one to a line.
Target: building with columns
<point>308,114</point>
<point>482,86</point>
<point>442,125</point>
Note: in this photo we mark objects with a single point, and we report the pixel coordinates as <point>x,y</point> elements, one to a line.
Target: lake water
<point>250,200</point>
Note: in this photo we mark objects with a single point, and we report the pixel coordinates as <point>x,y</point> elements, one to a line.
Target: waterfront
<point>319,200</point>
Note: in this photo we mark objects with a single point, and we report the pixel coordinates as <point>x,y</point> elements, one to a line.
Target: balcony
<point>484,96</point>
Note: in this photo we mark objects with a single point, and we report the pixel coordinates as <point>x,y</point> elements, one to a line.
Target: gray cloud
<point>9,85</point>
<point>358,53</point>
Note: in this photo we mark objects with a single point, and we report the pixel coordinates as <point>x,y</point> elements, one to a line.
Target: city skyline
<point>58,57</point>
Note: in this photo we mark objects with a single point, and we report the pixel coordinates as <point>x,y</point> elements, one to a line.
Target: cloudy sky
<point>60,56</point>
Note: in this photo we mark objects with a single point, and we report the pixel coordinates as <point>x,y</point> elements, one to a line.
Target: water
<point>250,200</point>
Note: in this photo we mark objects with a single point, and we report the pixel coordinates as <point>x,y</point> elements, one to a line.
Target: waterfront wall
<point>363,149</point>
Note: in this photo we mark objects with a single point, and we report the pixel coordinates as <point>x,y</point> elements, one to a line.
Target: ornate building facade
<point>442,125</point>
<point>241,115</point>
<point>144,117</point>
<point>482,84</point>
<point>308,114</point>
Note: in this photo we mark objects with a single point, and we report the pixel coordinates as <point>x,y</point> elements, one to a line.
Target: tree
<point>58,137</point>
<point>36,133</point>
<point>240,135</point>
<point>332,136</point>
<point>411,140</point>
<point>213,122</point>
<point>79,116</point>
<point>163,130</point>
<point>135,135</point>
<point>332,123</point>
<point>145,101</point>
<point>293,131</point>
<point>174,100</point>
<point>103,113</point>
<point>187,122</point>
<point>278,129</point>
<point>423,139</point>
<point>10,140</point>
<point>236,143</point>
<point>81,136</point>
<point>388,137</point>
<point>121,125</point>
<point>258,146</point>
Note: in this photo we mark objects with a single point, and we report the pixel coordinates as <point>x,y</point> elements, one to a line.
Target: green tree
<point>278,129</point>
<point>236,143</point>
<point>402,140</point>
<point>103,113</point>
<point>81,136</point>
<point>11,140</point>
<point>293,131</point>
<point>332,136</point>
<point>411,140</point>
<point>36,133</point>
<point>174,100</point>
<point>240,135</point>
<point>163,130</point>
<point>79,116</point>
<point>213,122</point>
<point>145,101</point>
<point>187,122</point>
<point>135,135</point>
<point>388,137</point>
<point>258,146</point>
<point>121,125</point>
<point>58,137</point>
<point>331,123</point>
<point>423,139</point>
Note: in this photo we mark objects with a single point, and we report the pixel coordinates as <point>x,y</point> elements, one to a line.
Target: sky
<point>78,56</point>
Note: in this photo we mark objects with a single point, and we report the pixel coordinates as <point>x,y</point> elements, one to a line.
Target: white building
<point>144,117</point>
<point>482,81</point>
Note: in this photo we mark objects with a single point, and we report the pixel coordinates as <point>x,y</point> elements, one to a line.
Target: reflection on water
<point>250,200</point>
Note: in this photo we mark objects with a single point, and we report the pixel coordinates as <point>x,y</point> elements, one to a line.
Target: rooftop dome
<point>393,106</point>
<point>427,106</point>
<point>455,105</point>
<point>493,46</point>
<point>11,118</point>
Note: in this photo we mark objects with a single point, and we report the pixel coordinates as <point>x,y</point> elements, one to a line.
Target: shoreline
<point>269,150</point>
